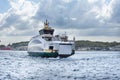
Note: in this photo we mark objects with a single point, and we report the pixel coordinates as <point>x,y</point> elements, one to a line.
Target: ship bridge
<point>46,32</point>
<point>46,29</point>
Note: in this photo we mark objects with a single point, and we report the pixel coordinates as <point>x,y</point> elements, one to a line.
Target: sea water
<point>84,65</point>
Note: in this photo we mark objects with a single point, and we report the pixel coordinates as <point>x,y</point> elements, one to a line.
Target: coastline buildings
<point>23,46</point>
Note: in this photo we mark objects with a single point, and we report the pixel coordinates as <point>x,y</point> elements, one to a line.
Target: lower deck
<point>50,54</point>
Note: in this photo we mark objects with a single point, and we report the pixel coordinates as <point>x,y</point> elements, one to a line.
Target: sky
<point>95,20</point>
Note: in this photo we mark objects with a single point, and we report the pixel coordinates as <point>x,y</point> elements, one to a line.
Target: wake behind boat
<point>47,45</point>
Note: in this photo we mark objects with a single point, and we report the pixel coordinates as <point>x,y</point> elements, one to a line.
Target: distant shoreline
<point>80,45</point>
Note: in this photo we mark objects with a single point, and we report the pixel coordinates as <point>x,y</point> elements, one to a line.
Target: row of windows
<point>46,32</point>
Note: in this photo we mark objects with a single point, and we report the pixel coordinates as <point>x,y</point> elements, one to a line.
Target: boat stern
<point>66,50</point>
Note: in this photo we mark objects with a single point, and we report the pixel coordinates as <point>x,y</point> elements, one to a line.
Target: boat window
<point>49,39</point>
<point>51,47</point>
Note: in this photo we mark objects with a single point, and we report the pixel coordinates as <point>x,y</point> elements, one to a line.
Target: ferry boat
<point>48,45</point>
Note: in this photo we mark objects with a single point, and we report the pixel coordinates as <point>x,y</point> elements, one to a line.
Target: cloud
<point>18,19</point>
<point>86,17</point>
<point>92,1</point>
<point>115,16</point>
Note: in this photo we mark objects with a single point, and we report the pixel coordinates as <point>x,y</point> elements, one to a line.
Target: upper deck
<point>46,29</point>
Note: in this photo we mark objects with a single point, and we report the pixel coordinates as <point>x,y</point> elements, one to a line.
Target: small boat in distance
<point>47,45</point>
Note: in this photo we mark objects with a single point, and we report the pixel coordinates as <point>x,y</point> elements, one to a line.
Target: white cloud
<point>74,19</point>
<point>67,1</point>
<point>18,19</point>
<point>24,8</point>
<point>92,1</point>
<point>87,17</point>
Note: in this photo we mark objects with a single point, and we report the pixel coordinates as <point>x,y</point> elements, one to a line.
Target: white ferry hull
<point>48,45</point>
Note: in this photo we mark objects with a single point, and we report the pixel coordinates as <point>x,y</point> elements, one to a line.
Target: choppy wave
<point>84,65</point>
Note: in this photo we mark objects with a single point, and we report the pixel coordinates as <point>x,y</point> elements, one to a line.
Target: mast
<point>46,24</point>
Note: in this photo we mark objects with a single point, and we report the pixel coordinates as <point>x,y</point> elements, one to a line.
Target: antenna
<point>46,24</point>
<point>74,38</point>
